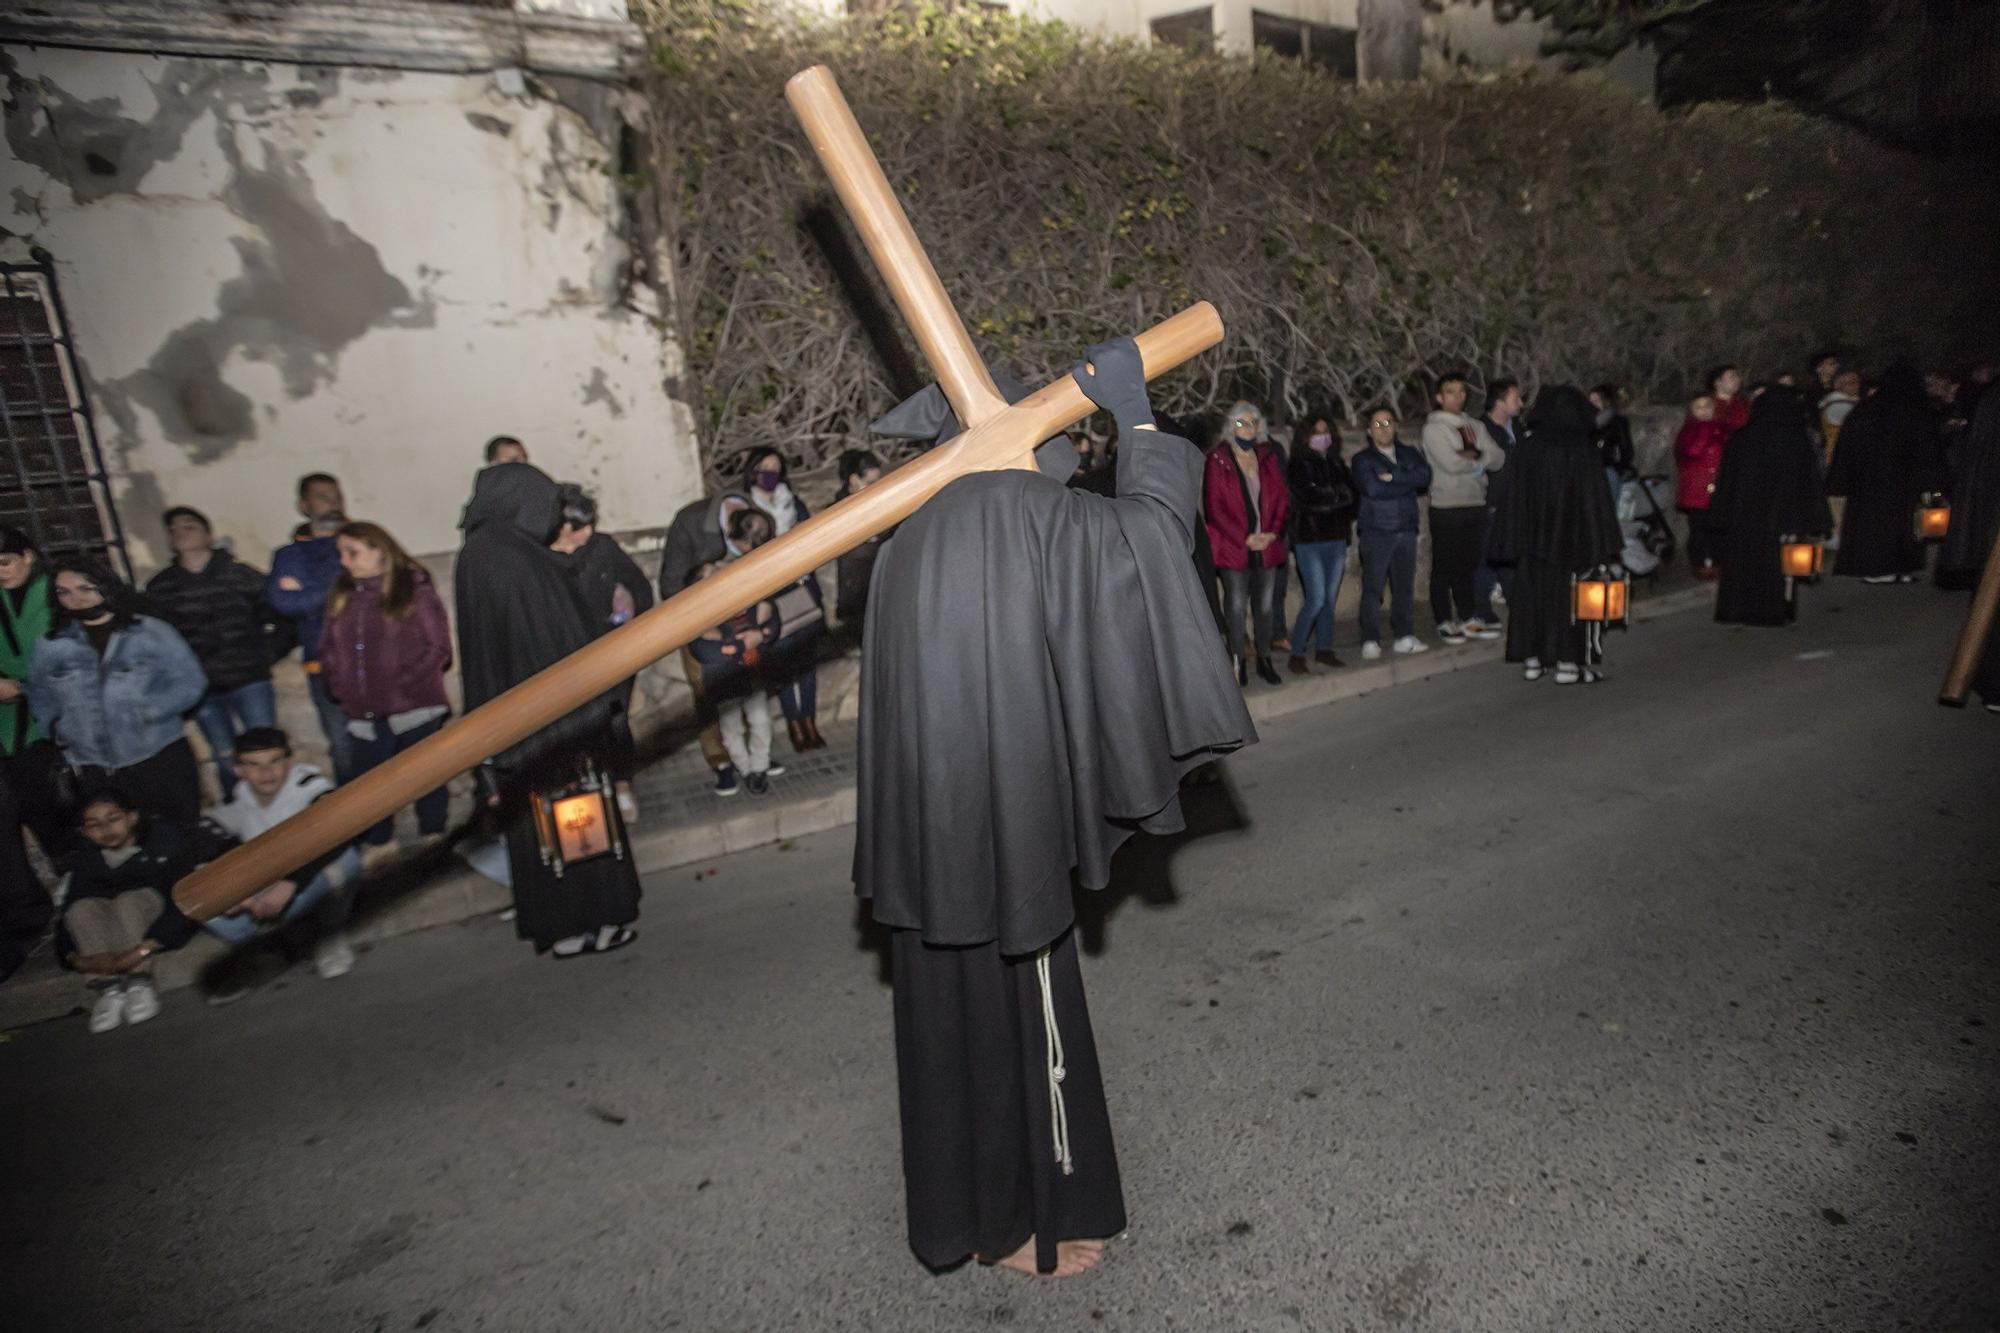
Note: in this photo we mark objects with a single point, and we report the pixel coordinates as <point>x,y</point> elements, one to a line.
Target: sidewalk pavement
<point>684,823</point>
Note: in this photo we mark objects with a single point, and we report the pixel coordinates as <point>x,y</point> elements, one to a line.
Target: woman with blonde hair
<point>384,650</point>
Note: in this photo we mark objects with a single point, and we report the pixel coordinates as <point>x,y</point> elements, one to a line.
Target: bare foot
<point>1072,1257</point>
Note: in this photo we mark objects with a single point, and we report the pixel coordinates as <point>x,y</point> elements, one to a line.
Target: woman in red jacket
<point>384,651</point>
<point>1245,502</point>
<point>1698,457</point>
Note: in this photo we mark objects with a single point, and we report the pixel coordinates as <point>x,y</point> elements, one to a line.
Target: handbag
<point>798,608</point>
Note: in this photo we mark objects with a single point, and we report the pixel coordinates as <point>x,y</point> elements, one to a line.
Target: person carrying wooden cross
<point>1038,671</point>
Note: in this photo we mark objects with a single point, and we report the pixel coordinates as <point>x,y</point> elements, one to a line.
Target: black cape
<point>519,611</point>
<point>1039,669</point>
<point>1889,453</point>
<point>1770,487</point>
<point>1557,520</point>
<point>1975,523</point>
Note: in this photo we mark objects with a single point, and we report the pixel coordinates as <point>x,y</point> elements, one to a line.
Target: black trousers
<point>24,903</point>
<point>1701,542</point>
<point>167,785</point>
<point>33,774</point>
<point>1458,548</point>
<point>980,1169</point>
<point>1256,588</point>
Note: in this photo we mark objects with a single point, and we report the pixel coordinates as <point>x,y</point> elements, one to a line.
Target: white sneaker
<point>141,1001</point>
<point>109,1011</point>
<point>1410,643</point>
<point>334,956</point>
<point>1479,629</point>
<point>1371,650</point>
<point>628,807</point>
<point>1450,631</point>
<point>1531,669</point>
<point>1567,673</point>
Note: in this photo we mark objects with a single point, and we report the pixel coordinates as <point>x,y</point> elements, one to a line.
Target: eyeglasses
<point>1378,425</point>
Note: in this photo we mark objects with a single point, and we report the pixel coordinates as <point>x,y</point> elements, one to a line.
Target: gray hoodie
<point>1458,482</point>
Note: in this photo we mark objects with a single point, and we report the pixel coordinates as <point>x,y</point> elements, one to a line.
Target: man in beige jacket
<point>1460,454</point>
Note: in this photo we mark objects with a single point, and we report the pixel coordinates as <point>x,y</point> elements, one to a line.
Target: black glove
<point>1113,375</point>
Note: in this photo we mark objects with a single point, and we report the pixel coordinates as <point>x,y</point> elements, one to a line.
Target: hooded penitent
<point>1889,453</point>
<point>1770,487</point>
<point>519,612</point>
<point>1039,670</point>
<point>1558,521</point>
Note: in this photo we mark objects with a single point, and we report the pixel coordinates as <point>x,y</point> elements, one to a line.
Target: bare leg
<point>1072,1257</point>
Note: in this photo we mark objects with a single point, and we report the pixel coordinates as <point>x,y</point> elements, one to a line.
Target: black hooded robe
<point>1770,487</point>
<point>1975,523</point>
<point>1557,521</point>
<point>1889,453</point>
<point>1038,671</point>
<point>519,611</point>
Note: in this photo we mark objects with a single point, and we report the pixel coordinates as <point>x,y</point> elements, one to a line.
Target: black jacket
<point>222,614</point>
<point>601,567</point>
<point>1323,497</point>
<point>166,853</point>
<point>694,539</point>
<point>1614,443</point>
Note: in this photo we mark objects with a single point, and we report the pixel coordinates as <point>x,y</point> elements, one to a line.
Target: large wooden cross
<point>996,436</point>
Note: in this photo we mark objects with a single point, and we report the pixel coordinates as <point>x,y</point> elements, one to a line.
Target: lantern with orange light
<point>579,821</point>
<point>1933,517</point>
<point>1802,557</point>
<point>1600,597</point>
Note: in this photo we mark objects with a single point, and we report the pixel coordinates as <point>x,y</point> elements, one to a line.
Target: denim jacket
<point>123,709</point>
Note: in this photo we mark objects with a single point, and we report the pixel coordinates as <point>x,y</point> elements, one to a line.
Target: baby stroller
<point>1649,538</point>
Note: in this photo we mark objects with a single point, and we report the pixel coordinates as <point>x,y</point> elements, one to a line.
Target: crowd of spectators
<point>99,680</point>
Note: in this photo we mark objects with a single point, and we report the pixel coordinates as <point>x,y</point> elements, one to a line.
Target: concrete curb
<point>455,893</point>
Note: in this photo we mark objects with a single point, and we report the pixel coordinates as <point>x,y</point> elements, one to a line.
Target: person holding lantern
<point>1890,454</point>
<point>1558,523</point>
<point>1768,492</point>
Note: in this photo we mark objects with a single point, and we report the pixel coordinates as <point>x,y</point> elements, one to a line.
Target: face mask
<point>768,481</point>
<point>1320,443</point>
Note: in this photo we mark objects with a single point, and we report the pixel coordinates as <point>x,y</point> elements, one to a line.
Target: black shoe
<point>757,784</point>
<point>1242,671</point>
<point>1268,673</point>
<point>725,780</point>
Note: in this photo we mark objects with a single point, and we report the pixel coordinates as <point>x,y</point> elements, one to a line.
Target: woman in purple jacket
<point>384,652</point>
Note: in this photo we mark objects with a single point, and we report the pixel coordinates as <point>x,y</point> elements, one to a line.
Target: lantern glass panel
<point>582,828</point>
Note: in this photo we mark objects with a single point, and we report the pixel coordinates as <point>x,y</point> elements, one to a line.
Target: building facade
<point>291,236</point>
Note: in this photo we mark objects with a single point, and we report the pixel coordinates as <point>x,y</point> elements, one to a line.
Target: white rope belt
<point>1052,1039</point>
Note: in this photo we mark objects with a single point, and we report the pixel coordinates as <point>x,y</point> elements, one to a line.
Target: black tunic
<point>1557,520</point>
<point>1770,487</point>
<point>1038,670</point>
<point>519,611</point>
<point>1890,452</point>
<point>1975,523</point>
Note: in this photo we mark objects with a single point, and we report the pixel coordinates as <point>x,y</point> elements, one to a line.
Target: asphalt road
<point>1670,1003</point>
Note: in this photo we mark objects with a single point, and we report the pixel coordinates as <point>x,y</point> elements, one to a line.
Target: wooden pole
<point>997,436</point>
<point>1978,632</point>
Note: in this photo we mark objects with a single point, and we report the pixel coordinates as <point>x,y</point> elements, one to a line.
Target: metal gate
<point>52,483</point>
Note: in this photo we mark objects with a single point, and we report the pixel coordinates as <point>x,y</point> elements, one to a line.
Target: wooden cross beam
<point>996,436</point>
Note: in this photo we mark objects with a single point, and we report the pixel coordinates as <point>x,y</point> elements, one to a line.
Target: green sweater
<point>24,622</point>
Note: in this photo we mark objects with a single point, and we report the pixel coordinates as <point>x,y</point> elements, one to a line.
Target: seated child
<point>118,908</point>
<point>270,788</point>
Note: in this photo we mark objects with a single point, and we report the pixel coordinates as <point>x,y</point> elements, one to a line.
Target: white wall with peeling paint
<point>273,269</point>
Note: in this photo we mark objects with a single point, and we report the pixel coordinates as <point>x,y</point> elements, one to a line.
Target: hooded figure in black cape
<point>519,611</point>
<point>1770,487</point>
<point>1975,523</point>
<point>1558,520</point>
<point>1038,671</point>
<point>1890,451</point>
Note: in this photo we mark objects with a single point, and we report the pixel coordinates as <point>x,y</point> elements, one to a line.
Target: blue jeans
<point>222,717</point>
<point>339,745</point>
<point>1321,567</point>
<point>432,806</point>
<point>333,903</point>
<point>1391,558</point>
